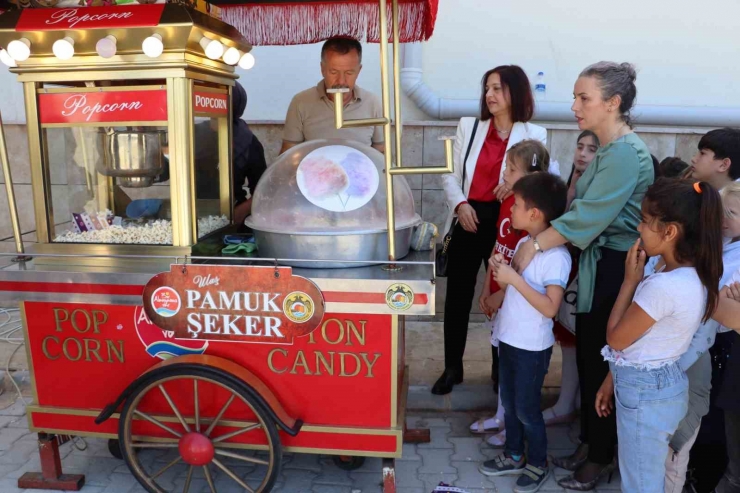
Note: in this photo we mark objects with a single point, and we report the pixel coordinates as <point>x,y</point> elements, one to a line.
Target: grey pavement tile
<point>428,422</point>
<point>490,452</point>
<point>16,409</point>
<point>468,476</point>
<point>439,440</point>
<point>309,462</point>
<point>93,447</point>
<point>407,474</point>
<point>297,480</point>
<point>32,465</point>
<point>97,470</point>
<point>331,489</point>
<point>20,453</point>
<point>332,475</point>
<point>409,453</point>
<point>8,436</point>
<point>436,461</point>
<point>367,481</point>
<point>560,438</point>
<point>13,422</point>
<point>461,426</point>
<point>121,483</point>
<point>452,457</point>
<point>467,449</point>
<point>9,486</point>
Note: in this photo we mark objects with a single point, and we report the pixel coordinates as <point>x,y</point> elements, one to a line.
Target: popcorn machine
<point>129,125</point>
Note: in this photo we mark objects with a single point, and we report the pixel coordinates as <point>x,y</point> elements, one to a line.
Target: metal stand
<point>389,475</point>
<point>51,476</point>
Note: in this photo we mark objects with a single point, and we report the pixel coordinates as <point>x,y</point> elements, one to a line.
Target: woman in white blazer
<point>506,107</point>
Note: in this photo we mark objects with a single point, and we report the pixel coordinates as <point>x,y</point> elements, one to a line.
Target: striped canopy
<point>276,22</point>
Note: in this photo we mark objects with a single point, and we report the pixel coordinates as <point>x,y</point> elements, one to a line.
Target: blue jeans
<point>650,405</point>
<point>521,374</point>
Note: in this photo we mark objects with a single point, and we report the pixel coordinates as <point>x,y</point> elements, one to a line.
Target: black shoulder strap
<point>467,153</point>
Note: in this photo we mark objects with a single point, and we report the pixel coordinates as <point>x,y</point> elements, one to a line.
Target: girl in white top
<point>653,321</point>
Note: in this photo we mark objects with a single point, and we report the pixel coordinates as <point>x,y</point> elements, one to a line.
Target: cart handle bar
<point>189,258</point>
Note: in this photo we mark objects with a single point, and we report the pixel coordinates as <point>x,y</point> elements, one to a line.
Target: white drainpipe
<point>445,109</point>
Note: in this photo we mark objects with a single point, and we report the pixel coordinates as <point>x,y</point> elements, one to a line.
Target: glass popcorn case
<point>130,137</point>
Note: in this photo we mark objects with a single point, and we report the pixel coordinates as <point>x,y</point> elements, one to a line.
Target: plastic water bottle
<point>540,88</point>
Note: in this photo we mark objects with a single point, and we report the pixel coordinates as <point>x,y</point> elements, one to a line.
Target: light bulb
<point>153,46</point>
<point>247,61</point>
<point>64,48</point>
<point>213,48</point>
<point>7,59</point>
<point>20,49</point>
<point>106,47</point>
<point>232,56</point>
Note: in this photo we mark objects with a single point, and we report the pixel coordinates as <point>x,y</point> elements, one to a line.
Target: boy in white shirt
<point>524,330</point>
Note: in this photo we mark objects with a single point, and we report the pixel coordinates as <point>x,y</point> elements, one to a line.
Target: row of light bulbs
<point>20,49</point>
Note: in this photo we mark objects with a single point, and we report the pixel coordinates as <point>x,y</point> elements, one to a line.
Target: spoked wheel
<point>199,430</point>
<point>348,462</point>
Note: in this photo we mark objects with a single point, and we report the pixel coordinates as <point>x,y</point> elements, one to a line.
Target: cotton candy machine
<point>326,200</point>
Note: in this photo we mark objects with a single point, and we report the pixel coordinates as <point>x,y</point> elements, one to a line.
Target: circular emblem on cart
<point>298,307</point>
<point>166,302</point>
<point>399,297</point>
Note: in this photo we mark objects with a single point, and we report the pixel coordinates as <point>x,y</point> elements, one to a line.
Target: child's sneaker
<point>503,465</point>
<point>532,479</point>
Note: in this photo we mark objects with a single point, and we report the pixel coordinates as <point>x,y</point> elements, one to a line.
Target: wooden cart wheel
<point>189,442</point>
<point>348,462</point>
<point>114,447</point>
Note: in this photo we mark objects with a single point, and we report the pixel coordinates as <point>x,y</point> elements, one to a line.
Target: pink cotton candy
<point>323,178</point>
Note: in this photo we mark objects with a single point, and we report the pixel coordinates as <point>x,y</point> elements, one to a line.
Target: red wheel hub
<point>196,449</point>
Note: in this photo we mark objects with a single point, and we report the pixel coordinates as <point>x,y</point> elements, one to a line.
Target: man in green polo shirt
<point>311,112</point>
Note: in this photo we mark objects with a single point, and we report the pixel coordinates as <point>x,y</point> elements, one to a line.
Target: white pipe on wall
<point>444,109</point>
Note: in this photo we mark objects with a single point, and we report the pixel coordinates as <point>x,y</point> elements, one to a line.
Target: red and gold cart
<point>193,365</point>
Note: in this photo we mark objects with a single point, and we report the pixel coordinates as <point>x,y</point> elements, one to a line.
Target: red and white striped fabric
<point>291,23</point>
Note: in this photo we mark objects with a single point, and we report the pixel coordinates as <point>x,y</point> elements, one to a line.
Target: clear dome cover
<point>329,187</point>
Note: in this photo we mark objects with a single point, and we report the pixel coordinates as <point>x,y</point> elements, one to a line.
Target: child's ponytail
<point>697,208</point>
<point>709,264</point>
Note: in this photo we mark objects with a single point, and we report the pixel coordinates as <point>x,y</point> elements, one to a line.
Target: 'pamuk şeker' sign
<point>103,107</point>
<point>211,103</point>
<point>233,303</point>
<point>90,18</point>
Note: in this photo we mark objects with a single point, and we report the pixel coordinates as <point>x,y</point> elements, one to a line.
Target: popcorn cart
<point>201,368</point>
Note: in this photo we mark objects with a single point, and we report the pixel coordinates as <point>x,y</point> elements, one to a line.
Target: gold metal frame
<point>7,175</point>
<point>340,122</point>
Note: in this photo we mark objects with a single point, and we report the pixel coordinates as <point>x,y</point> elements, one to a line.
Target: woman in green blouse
<point>602,222</point>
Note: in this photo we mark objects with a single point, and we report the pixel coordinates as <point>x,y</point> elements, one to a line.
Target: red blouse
<point>488,167</point>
